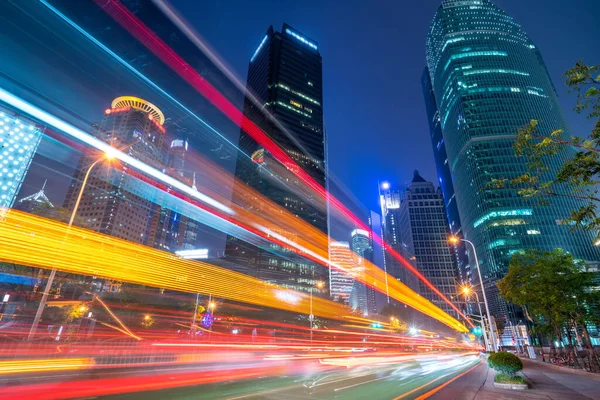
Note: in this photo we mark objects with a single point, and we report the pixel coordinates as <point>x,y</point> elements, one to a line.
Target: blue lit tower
<point>19,139</point>
<point>489,80</point>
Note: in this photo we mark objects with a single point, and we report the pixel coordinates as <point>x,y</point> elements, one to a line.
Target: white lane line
<point>358,384</point>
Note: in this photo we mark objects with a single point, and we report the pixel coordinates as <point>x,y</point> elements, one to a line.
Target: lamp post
<point>454,240</point>
<point>311,317</point>
<point>109,155</point>
<point>467,291</point>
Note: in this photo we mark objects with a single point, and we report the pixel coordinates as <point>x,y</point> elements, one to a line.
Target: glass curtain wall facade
<point>489,80</point>
<point>284,98</point>
<point>440,156</point>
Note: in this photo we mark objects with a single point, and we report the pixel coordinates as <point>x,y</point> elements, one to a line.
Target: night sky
<point>373,56</point>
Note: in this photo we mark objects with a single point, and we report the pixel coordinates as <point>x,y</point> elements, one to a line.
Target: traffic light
<point>477,331</point>
<point>376,325</point>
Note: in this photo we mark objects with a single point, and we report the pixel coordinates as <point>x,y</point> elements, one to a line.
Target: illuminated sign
<point>116,110</point>
<point>259,47</point>
<point>496,214</point>
<point>258,156</point>
<point>300,38</point>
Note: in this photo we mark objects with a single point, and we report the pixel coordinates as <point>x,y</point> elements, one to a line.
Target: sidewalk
<point>544,383</point>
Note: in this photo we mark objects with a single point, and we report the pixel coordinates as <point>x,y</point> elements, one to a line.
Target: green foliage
<point>553,285</point>
<point>506,363</point>
<point>578,177</point>
<point>514,379</point>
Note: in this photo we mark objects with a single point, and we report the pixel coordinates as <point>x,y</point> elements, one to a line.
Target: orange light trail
<point>39,242</point>
<point>44,365</point>
<point>162,50</point>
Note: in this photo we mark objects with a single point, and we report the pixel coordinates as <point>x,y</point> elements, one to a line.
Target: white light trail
<point>88,139</point>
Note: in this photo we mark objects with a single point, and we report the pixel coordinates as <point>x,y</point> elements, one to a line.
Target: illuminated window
<point>475,54</point>
<point>295,104</point>
<point>507,213</point>
<point>533,232</point>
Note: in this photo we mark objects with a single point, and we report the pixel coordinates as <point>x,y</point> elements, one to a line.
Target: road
<point>396,381</point>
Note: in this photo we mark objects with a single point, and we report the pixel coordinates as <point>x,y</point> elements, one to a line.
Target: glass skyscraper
<point>489,80</point>
<point>284,98</point>
<point>444,175</point>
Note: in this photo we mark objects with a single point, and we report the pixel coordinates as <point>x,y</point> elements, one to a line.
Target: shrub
<point>502,378</point>
<point>505,363</point>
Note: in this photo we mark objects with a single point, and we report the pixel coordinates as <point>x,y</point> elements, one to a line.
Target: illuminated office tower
<point>390,199</point>
<point>444,175</point>
<point>489,80</point>
<point>284,98</point>
<point>19,139</point>
<point>343,270</point>
<point>108,205</point>
<point>424,229</point>
<point>363,252</point>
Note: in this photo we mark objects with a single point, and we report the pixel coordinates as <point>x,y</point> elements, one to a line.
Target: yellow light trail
<point>44,243</point>
<point>21,366</point>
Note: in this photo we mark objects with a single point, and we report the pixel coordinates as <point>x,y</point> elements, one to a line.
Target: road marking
<point>437,388</point>
<point>245,396</point>
<point>361,383</point>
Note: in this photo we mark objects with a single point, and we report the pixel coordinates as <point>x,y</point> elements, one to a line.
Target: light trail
<point>260,226</point>
<point>88,139</point>
<point>44,365</point>
<point>159,48</point>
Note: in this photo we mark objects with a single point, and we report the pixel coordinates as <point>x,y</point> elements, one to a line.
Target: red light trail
<point>160,49</point>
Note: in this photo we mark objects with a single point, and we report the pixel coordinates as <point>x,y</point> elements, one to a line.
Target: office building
<point>284,98</point>
<point>19,139</point>
<point>444,175</point>
<point>343,270</point>
<point>424,229</point>
<point>362,247</point>
<point>489,80</point>
<point>134,126</point>
<point>390,200</point>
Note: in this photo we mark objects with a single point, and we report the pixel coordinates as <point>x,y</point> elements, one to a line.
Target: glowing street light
<point>146,317</point>
<point>82,308</point>
<point>455,240</point>
<point>108,155</point>
<point>385,185</point>
<point>212,305</point>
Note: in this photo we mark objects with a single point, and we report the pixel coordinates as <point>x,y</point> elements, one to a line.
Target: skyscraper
<point>284,98</point>
<point>424,229</point>
<point>390,198</point>
<point>342,271</point>
<point>361,245</point>
<point>19,139</point>
<point>444,175</point>
<point>489,80</point>
<point>107,204</point>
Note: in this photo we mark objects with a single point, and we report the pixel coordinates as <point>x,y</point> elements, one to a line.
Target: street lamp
<point>108,155</point>
<point>311,317</point>
<point>467,292</point>
<point>455,240</point>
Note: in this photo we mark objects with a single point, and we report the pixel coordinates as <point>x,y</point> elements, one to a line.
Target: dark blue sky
<point>373,57</point>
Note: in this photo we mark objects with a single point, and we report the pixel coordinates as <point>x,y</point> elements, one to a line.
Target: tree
<point>555,287</point>
<point>578,176</point>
